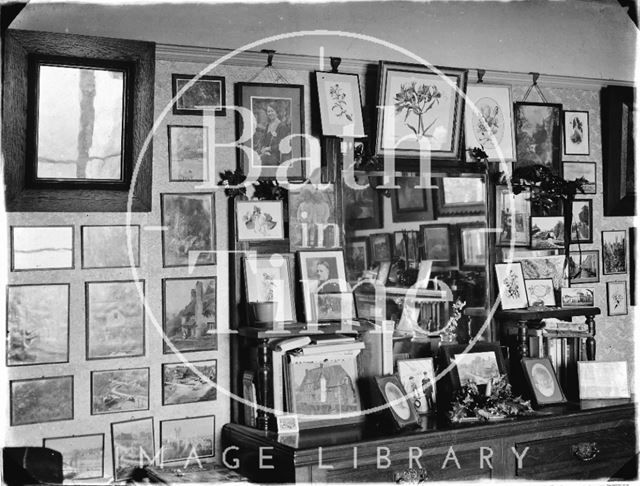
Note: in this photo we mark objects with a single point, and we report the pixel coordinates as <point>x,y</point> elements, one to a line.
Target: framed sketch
<point>438,244</point>
<point>538,134</point>
<point>617,298</point>
<point>190,383</point>
<point>125,390</point>
<point>189,237</point>
<point>187,153</point>
<point>405,246</point>
<point>322,272</point>
<point>410,121</point>
<point>577,296</point>
<point>614,252</point>
<point>576,132</point>
<point>356,257</point>
<point>582,223</point>
<point>269,278</point>
<point>278,111</point>
<point>599,380</point>
<point>584,266</point>
<point>39,400</point>
<point>108,246</point>
<point>399,402</point>
<point>334,307</point>
<point>547,232</point>
<point>513,212</point>
<point>340,105</point>
<point>511,286</point>
<point>313,218</point>
<point>207,93</point>
<point>132,444</point>
<point>458,196</point>
<point>41,247</point>
<point>419,381</point>
<point>540,292</point>
<point>380,245</point>
<point>362,206</point>
<point>480,364</point>
<point>187,438</point>
<point>472,246</point>
<point>581,170</point>
<point>189,320</point>
<point>259,220</point>
<point>409,203</point>
<point>551,266</point>
<point>115,319</point>
<point>489,121</point>
<point>37,324</point>
<point>542,381</point>
<point>83,455</point>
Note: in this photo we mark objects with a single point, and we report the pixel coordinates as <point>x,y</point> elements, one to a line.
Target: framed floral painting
<point>513,293</point>
<point>340,105</point>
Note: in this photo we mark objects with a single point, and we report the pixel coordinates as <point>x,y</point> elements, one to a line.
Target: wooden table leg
<point>264,371</point>
<point>523,346</point>
<point>591,340</point>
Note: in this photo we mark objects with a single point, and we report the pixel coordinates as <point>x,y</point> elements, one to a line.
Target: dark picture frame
<point>398,405</point>
<point>614,252</point>
<point>538,134</point>
<point>572,170</point>
<point>363,207</point>
<point>584,266</point>
<point>187,162</point>
<point>542,381</point>
<point>380,246</point>
<point>78,445</point>
<point>178,377</point>
<point>617,300</point>
<point>578,222</point>
<point>204,90</point>
<point>122,387</point>
<point>575,124</point>
<point>549,234</point>
<point>438,243</point>
<point>135,440</point>
<point>356,263</point>
<point>448,353</point>
<point>406,246</point>
<point>409,203</point>
<point>198,424</point>
<point>53,405</point>
<point>110,249</point>
<point>459,186</point>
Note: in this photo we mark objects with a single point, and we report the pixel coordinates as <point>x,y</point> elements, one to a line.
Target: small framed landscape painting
<point>540,292</point>
<point>41,247</point>
<point>581,170</point>
<point>582,223</point>
<point>132,443</point>
<point>409,203</point>
<point>108,246</point>
<point>617,298</point>
<point>189,438</point>
<point>542,381</point>
<point>259,220</point>
<point>83,455</point>
<point>39,400</point>
<point>187,153</point>
<point>207,93</point>
<point>538,135</point>
<point>460,196</point>
<point>511,285</point>
<point>189,383</point>
<point>480,364</point>
<point>119,390</point>
<point>340,105</point>
<point>577,296</point>
<point>614,252</point>
<point>576,132</point>
<point>584,266</point>
<point>547,232</point>
<point>439,243</point>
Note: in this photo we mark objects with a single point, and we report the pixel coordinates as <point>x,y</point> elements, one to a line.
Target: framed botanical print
<point>340,105</point>
<point>259,220</point>
<point>380,245</point>
<point>513,293</point>
<point>398,401</point>
<point>409,203</point>
<point>540,292</point>
<point>617,298</point>
<point>584,266</point>
<point>322,272</point>
<point>538,134</point>
<point>83,455</point>
<point>269,278</point>
<point>577,296</point>
<point>187,153</point>
<point>576,132</point>
<point>512,217</point>
<point>472,246</point>
<point>419,111</point>
<point>581,170</point>
<point>458,196</point>
<point>439,243</point>
<point>582,224</point>
<point>614,252</point>
<point>132,443</point>
<point>206,93</point>
<point>542,381</point>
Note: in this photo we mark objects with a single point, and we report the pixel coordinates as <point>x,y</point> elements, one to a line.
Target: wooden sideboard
<point>592,439</point>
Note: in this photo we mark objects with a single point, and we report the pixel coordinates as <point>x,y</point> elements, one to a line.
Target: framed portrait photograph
<point>472,246</point>
<point>584,266</point>
<point>513,212</point>
<point>551,266</point>
<point>132,444</point>
<point>614,252</point>
<point>480,364</point>
<point>322,272</point>
<point>599,380</point>
<point>278,111</point>
<point>190,237</point>
<point>409,203</point>
<point>193,437</point>
<point>542,381</point>
<point>362,206</point>
<point>577,296</point>
<point>399,402</point>
<point>540,292</point>
<point>356,257</point>
<point>582,221</point>
<point>115,319</point>
<point>576,132</point>
<point>125,390</point>
<point>439,243</point>
<point>617,298</point>
<point>195,382</point>
<point>547,232</point>
<point>459,196</point>
<point>410,121</point>
<point>187,153</point>
<point>206,93</point>
<point>41,247</point>
<point>108,246</point>
<point>488,121</point>
<point>189,319</point>
<point>83,455</point>
<point>335,307</point>
<point>270,278</point>
<point>340,104</point>
<point>538,134</point>
<point>259,220</point>
<point>513,292</point>
<point>419,381</point>
<point>313,218</point>
<point>380,245</point>
<point>39,400</point>
<point>37,324</point>
<point>405,246</point>
<point>572,171</point>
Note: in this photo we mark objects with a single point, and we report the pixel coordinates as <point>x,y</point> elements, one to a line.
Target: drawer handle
<point>411,475</point>
<point>585,451</point>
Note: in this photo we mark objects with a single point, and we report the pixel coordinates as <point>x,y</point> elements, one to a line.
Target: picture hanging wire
<point>335,63</point>
<point>481,73</point>
<point>276,76</point>
<point>534,84</point>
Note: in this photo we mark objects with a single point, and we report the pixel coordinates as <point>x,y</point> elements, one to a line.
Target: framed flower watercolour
<point>511,285</point>
<point>340,105</point>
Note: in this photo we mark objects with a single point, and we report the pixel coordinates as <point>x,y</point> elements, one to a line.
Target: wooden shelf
<point>548,312</point>
<point>302,329</point>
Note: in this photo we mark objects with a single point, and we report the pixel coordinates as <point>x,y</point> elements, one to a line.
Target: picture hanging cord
<point>534,84</point>
<point>276,75</point>
<point>481,73</point>
<point>335,63</point>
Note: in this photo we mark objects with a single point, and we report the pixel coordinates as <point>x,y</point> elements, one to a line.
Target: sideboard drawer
<point>591,455</point>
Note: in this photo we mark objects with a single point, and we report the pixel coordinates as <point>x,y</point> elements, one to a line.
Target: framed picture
<point>418,379</point>
<point>541,378</point>
<point>259,220</point>
<point>584,266</point>
<point>287,424</point>
<point>189,237</point>
<point>581,170</point>
<point>362,206</point>
<point>39,400</point>
<point>313,219</point>
<point>115,319</point>
<point>37,324</point>
<point>340,105</point>
<point>482,363</point>
<point>511,286</point>
<point>206,93</point>
<point>577,296</point>
<point>540,292</point>
<point>513,213</point>
<point>614,252</point>
<point>380,245</point>
<point>132,444</point>
<point>489,121</point>
<point>576,132</point>
<point>410,121</point>
<point>189,320</point>
<point>188,438</point>
<point>108,246</point>
<point>119,390</point>
<point>83,455</point>
<point>472,247</point>
<point>633,249</point>
<point>335,307</point>
<point>406,246</point>
<point>538,134</point>
<point>356,257</point>
<point>187,153</point>
<point>551,266</point>
<point>547,232</point>
<point>582,223</point>
<point>459,196</point>
<point>322,272</point>
<point>41,247</point>
<point>279,113</point>
<point>269,278</point>
<point>439,243</point>
<point>382,275</point>
<point>399,402</point>
<point>409,203</point>
<point>617,298</point>
<point>599,380</point>
<point>190,383</point>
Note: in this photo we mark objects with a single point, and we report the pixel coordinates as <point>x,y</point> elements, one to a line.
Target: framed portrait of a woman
<point>270,129</point>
